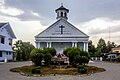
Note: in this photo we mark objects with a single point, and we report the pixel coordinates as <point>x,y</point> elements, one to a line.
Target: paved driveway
<point>112,73</point>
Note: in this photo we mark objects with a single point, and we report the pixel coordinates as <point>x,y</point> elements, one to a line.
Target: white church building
<point>62,34</point>
<point>6,37</point>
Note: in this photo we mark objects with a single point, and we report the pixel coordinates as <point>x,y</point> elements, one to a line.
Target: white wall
<point>80,44</point>
<point>60,46</point>
<point>5,46</point>
<point>4,55</point>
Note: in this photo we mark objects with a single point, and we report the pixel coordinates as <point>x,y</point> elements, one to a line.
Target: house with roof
<point>6,37</point>
<point>62,34</point>
<point>116,49</point>
<point>115,52</point>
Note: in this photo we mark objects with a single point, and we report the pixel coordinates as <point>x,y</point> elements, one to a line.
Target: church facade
<point>62,34</point>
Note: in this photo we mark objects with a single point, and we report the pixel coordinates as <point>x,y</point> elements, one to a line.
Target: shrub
<point>47,58</point>
<point>36,51</point>
<point>66,51</point>
<point>118,58</point>
<point>77,56</point>
<point>85,60</point>
<point>82,69</point>
<point>37,58</point>
<point>36,70</point>
<point>81,60</point>
<point>52,51</point>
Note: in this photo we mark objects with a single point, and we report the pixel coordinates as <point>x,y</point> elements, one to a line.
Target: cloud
<point>29,16</point>
<point>81,10</point>
<point>94,17</point>
<point>101,25</point>
<point>24,30</point>
<point>10,11</point>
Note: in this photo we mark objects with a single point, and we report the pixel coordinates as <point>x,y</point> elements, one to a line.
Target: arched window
<point>57,14</point>
<point>65,14</point>
<point>61,14</point>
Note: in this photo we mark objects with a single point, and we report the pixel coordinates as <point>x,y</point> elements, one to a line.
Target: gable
<point>62,28</point>
<point>6,30</point>
<point>5,33</point>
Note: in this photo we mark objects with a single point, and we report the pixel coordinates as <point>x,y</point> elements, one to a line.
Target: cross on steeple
<point>61,28</point>
<point>61,4</point>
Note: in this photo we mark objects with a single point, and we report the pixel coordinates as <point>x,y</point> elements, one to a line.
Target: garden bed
<point>55,70</point>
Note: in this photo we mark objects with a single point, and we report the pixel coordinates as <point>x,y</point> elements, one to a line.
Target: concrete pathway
<point>112,73</point>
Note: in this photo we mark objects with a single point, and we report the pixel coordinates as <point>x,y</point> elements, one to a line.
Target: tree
<point>91,48</point>
<point>110,45</point>
<point>22,50</point>
<point>118,58</point>
<point>18,55</point>
<point>17,49</point>
<point>101,47</point>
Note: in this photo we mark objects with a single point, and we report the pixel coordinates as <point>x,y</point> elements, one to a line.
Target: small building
<point>112,56</point>
<point>62,34</point>
<point>6,37</point>
<point>116,49</point>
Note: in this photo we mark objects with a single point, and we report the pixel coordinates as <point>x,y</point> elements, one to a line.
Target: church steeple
<point>61,12</point>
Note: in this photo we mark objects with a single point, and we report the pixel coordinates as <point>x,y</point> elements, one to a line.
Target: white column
<point>47,44</point>
<point>84,46</point>
<point>75,44</point>
<point>50,44</point>
<point>87,46</point>
<point>36,44</point>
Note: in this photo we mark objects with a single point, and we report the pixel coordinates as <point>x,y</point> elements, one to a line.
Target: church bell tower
<point>61,12</point>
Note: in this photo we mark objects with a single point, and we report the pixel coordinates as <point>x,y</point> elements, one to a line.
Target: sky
<point>97,18</point>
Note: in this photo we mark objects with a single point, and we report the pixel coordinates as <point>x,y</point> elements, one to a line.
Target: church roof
<point>62,8</point>
<point>69,30</point>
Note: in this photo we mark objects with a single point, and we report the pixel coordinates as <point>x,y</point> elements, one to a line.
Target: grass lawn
<point>45,70</point>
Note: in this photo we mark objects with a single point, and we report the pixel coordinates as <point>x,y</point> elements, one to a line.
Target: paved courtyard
<point>112,73</point>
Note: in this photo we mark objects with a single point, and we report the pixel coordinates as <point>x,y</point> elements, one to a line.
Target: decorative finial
<point>61,4</point>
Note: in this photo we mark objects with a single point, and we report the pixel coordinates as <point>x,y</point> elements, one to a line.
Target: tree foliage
<point>46,55</point>
<point>91,48</point>
<point>101,46</point>
<point>52,51</point>
<point>77,56</point>
<point>110,45</point>
<point>36,50</point>
<point>47,58</point>
<point>36,58</point>
<point>118,58</point>
<point>22,50</point>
